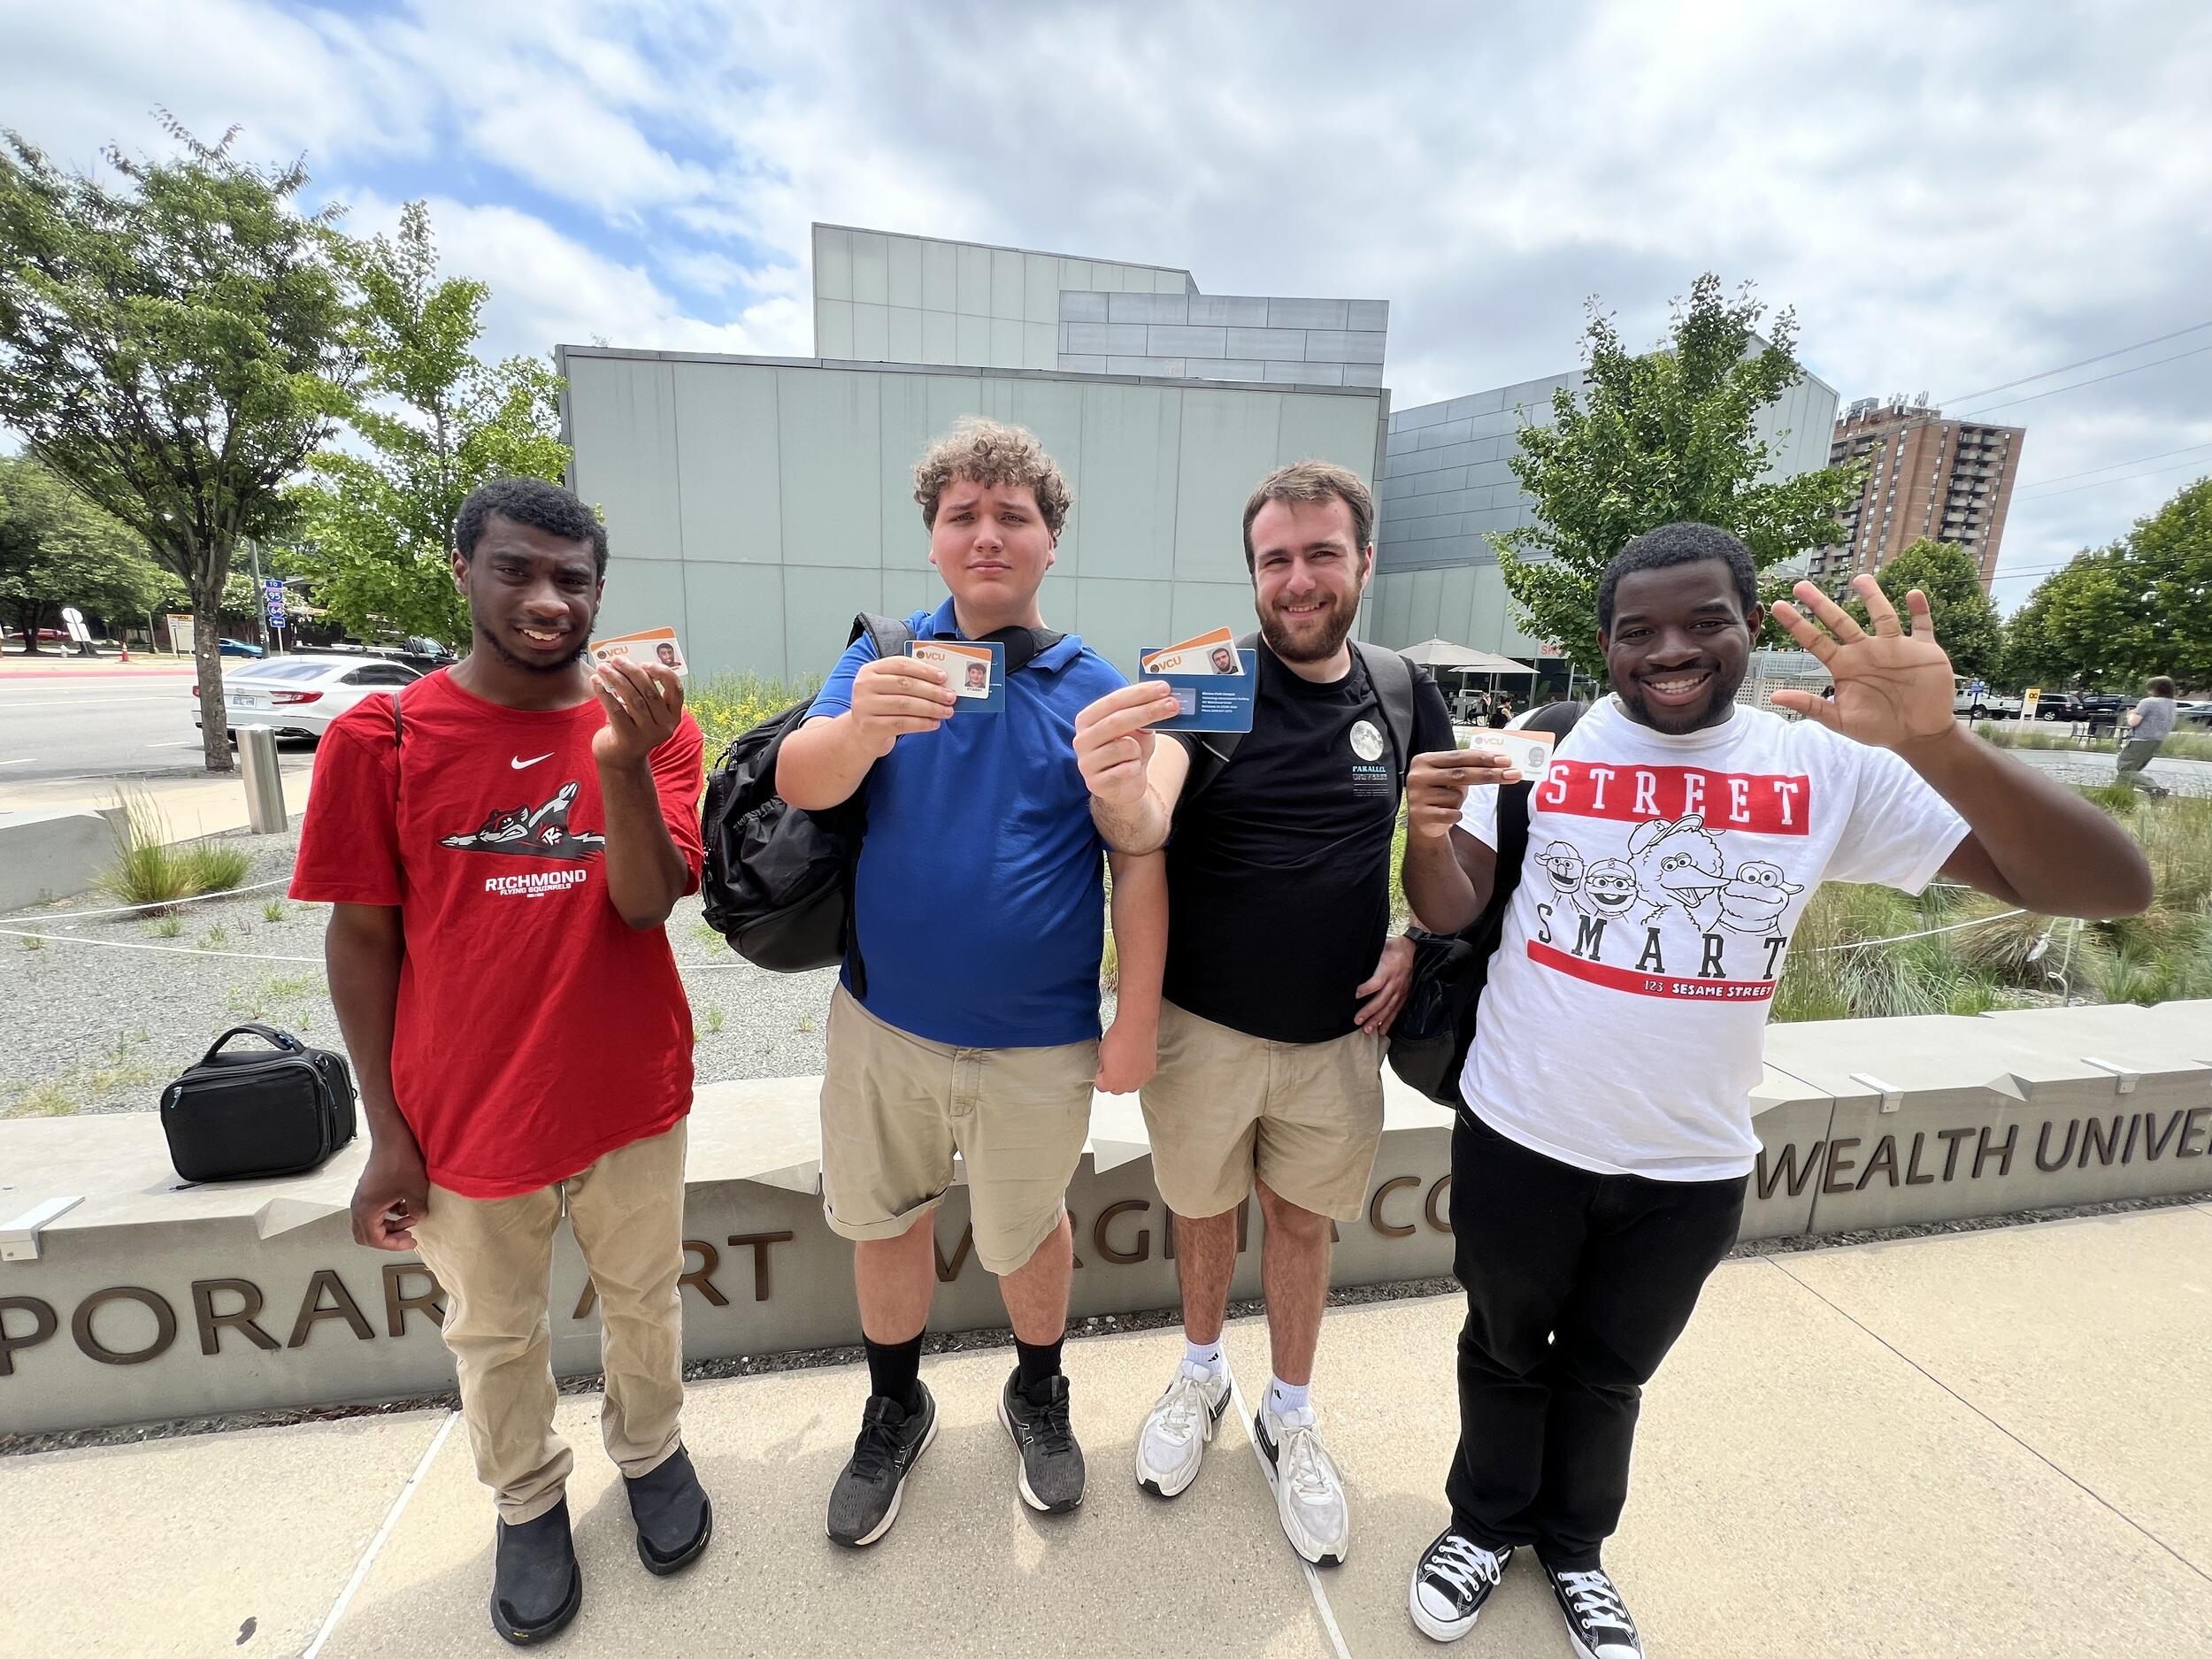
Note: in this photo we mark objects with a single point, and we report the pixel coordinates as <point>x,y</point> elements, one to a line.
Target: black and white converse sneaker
<point>1597,1624</point>
<point>865,1500</point>
<point>1451,1581</point>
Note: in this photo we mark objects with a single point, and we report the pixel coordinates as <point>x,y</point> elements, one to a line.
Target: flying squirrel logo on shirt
<point>533,831</point>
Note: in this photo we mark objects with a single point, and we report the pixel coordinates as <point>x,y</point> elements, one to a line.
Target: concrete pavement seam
<point>376,1545</point>
<point>1313,1579</point>
<point>2040,1456</point>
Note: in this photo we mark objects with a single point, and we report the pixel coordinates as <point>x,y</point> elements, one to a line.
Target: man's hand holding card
<point>1212,680</point>
<point>1436,785</point>
<point>974,674</point>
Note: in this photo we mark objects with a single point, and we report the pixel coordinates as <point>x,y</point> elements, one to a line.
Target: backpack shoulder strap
<point>891,634</point>
<point>1393,678</point>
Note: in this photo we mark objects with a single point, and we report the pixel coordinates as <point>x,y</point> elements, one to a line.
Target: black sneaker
<point>1051,1473</point>
<point>1451,1581</point>
<point>865,1500</point>
<point>674,1520</point>
<point>1597,1624</point>
<point>536,1584</point>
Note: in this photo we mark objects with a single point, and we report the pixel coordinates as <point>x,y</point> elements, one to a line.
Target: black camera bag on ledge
<point>253,1114</point>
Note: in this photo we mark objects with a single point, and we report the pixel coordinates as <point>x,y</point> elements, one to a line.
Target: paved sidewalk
<point>52,665</point>
<point>1980,1443</point>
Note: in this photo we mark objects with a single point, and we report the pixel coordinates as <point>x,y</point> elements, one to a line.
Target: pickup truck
<point>1984,705</point>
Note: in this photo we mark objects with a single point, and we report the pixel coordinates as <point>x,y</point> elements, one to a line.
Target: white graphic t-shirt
<point>1622,1027</point>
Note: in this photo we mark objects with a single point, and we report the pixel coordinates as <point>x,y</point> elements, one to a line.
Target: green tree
<point>1655,439</point>
<point>437,422</point>
<point>1966,623</point>
<point>2170,553</point>
<point>2113,617</point>
<point>56,549</point>
<point>175,347</point>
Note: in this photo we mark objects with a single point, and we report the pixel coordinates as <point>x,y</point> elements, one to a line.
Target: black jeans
<point>1577,1286</point>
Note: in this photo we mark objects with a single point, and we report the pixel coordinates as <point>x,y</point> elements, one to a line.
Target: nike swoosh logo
<point>517,763</point>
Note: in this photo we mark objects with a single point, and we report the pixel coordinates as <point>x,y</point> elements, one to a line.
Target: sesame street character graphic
<point>1609,890</point>
<point>1678,865</point>
<point>539,831</point>
<point>1563,864</point>
<point>1753,900</point>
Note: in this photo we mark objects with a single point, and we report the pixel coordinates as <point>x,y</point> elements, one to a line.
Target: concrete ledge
<point>147,1298</point>
<point>50,853</point>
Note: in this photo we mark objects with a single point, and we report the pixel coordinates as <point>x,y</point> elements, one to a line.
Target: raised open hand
<point>1894,687</point>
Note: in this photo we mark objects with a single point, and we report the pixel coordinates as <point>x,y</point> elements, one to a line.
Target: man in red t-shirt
<point>499,845</point>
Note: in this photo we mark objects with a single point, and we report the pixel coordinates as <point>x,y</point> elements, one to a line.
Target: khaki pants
<point>494,1257</point>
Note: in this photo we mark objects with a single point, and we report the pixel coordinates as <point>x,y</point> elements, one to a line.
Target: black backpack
<point>777,879</point>
<point>1391,675</point>
<point>1429,1038</point>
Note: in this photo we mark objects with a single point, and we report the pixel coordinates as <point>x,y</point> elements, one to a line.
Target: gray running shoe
<point>1051,1473</point>
<point>865,1500</point>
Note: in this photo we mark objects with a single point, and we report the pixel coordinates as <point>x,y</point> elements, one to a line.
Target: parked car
<point>301,695</point>
<point>2058,706</point>
<point>2195,715</point>
<point>238,648</point>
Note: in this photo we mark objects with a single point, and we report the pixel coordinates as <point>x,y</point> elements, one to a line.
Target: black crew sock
<point>1039,1361</point>
<point>894,1371</point>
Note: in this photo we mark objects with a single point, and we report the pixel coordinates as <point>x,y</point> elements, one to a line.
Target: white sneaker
<point>1309,1490</point>
<point>1172,1442</point>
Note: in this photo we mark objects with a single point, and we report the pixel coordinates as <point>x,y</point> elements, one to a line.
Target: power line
<point>2187,448</point>
<point>1968,397</point>
<point>2125,478</point>
<point>1976,414</point>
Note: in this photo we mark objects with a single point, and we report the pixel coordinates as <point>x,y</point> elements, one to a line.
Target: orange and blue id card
<point>1209,698</point>
<point>975,673</point>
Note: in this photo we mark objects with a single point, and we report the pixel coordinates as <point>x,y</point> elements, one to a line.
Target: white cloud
<point>1949,197</point>
<point>549,290</point>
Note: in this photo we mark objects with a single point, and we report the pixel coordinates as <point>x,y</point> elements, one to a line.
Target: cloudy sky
<point>1951,197</point>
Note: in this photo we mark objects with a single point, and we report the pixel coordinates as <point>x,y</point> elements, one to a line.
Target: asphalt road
<point>58,731</point>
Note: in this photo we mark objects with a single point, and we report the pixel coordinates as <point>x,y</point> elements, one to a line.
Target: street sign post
<point>272,591</point>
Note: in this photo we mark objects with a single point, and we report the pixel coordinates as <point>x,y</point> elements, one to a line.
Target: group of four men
<point>1599,1164</point>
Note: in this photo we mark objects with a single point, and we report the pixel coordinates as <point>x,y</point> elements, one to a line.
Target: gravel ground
<point>963,1341</point>
<point>94,1030</point>
<point>2093,769</point>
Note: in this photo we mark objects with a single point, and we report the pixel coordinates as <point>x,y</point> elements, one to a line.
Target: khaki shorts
<point>895,1106</point>
<point>1305,1118</point>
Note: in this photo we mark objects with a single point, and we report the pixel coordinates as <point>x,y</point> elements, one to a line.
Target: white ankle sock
<point>1206,1355</point>
<point>1284,1398</point>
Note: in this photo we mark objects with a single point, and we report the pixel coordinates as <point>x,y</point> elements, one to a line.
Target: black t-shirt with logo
<point>1279,869</point>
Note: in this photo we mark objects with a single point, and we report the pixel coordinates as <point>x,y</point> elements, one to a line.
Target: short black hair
<point>1672,544</point>
<point>533,502</point>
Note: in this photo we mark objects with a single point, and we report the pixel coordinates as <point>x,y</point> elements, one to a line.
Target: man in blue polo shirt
<point>979,912</point>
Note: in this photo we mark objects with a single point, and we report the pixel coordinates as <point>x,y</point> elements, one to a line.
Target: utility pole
<point>260,600</point>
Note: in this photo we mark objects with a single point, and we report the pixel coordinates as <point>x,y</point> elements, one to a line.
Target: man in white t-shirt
<point>1598,1167</point>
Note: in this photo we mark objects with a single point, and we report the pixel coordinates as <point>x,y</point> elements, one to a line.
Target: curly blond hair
<point>991,452</point>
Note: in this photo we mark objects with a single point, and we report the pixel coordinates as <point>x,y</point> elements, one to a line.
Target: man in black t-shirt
<point>1281,973</point>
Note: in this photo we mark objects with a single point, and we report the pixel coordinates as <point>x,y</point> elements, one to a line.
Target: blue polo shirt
<point>980,897</point>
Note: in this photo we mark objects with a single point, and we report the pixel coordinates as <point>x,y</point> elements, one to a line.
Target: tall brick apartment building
<point>1950,480</point>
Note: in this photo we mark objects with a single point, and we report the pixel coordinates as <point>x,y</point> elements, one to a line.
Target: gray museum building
<point>755,504</point>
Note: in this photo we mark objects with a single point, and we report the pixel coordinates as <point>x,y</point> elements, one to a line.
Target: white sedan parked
<point>301,695</point>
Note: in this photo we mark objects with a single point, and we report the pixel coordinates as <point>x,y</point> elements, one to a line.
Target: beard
<point>486,636</point>
<point>1335,626</point>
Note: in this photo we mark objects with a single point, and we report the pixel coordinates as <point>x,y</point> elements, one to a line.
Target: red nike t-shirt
<point>537,1031</point>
